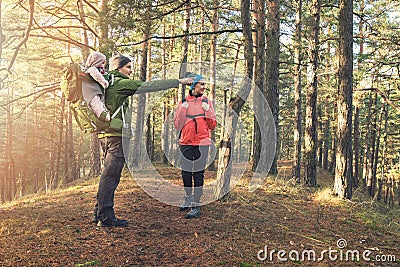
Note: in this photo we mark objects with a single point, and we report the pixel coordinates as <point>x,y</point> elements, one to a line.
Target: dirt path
<point>54,229</point>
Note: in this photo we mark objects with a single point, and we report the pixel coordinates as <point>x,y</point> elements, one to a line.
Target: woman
<point>120,88</point>
<point>194,117</point>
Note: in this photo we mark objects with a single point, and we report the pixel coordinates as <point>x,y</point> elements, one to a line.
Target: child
<point>94,85</point>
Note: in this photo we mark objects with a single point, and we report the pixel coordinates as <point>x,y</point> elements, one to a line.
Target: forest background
<point>328,69</point>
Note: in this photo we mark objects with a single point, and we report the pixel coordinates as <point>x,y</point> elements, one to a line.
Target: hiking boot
<point>95,219</point>
<point>186,203</point>
<point>194,212</point>
<point>113,222</point>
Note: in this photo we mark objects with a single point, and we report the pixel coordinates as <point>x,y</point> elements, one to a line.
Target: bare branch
<point>382,94</point>
<point>92,6</point>
<point>180,36</point>
<point>63,40</point>
<point>26,36</point>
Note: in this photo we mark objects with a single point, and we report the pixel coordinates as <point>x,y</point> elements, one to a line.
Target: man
<point>120,88</point>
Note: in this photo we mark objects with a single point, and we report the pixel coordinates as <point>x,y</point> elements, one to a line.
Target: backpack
<point>71,87</point>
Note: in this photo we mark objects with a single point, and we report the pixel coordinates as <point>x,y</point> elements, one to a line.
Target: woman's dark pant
<point>113,164</point>
<point>193,163</point>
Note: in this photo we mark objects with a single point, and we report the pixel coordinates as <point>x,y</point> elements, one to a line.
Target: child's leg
<point>98,107</point>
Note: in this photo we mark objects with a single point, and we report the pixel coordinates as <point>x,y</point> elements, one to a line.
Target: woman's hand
<point>185,104</point>
<point>205,106</point>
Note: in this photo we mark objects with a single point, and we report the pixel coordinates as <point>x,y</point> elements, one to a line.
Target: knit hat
<point>118,61</point>
<point>196,78</point>
<point>95,59</point>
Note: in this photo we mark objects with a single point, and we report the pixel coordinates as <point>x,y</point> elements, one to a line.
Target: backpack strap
<point>193,117</point>
<point>121,108</point>
<point>204,99</point>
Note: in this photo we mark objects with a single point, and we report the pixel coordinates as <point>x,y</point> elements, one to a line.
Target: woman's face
<point>126,69</point>
<point>200,87</point>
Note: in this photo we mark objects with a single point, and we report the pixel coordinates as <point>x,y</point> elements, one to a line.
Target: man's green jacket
<point>121,87</point>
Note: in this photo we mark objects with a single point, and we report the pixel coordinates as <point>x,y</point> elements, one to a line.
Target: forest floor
<point>246,229</point>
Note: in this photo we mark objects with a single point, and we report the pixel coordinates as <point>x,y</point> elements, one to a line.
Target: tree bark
<point>105,46</point>
<point>228,138</point>
<point>376,155</point>
<point>9,159</point>
<point>367,149</point>
<point>298,130</point>
<point>149,137</point>
<point>85,39</point>
<point>95,163</point>
<point>326,139</point>
<point>259,79</point>
<point>165,134</point>
<point>213,74</point>
<point>185,48</point>
<point>371,143</point>
<point>311,98</point>
<point>343,172</point>
<point>382,179</point>
<point>141,106</point>
<point>272,70</point>
<point>54,183</point>
<point>356,157</point>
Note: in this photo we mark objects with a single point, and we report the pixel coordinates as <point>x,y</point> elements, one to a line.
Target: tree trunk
<point>343,172</point>
<point>141,106</point>
<point>384,162</point>
<point>185,48</point>
<point>105,46</point>
<point>213,74</point>
<point>259,79</point>
<point>165,125</point>
<point>74,171</point>
<point>367,149</point>
<point>376,156</point>
<point>149,139</point>
<point>67,170</point>
<point>371,160</point>
<point>9,160</point>
<point>2,174</point>
<point>272,70</point>
<point>95,163</point>
<point>356,156</point>
<point>310,154</point>
<point>235,104</point>
<point>298,130</point>
<point>165,134</point>
<point>326,143</point>
<point>320,124</point>
<point>57,174</point>
<point>85,39</point>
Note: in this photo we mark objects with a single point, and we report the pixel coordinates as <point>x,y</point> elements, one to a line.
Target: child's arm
<point>97,76</point>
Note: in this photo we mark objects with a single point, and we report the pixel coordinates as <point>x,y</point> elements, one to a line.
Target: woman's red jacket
<point>195,123</point>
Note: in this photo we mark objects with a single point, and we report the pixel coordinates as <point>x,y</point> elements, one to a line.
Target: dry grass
<point>54,229</point>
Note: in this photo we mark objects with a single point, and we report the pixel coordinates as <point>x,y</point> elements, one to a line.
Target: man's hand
<point>188,81</point>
